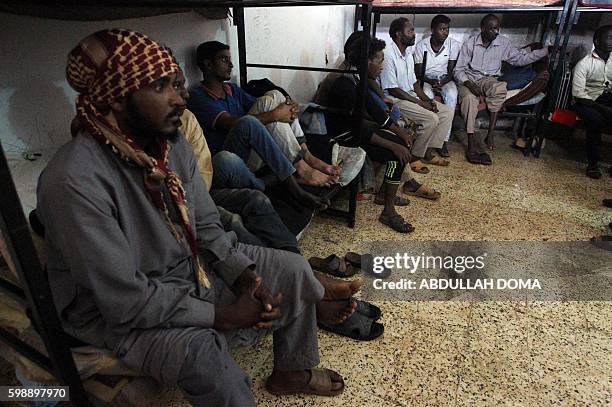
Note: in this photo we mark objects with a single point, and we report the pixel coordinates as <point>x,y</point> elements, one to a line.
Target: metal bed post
<point>37,292</point>
<point>366,18</point>
<point>239,23</point>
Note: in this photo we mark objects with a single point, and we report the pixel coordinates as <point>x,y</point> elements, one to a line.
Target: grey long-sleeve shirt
<point>113,263</point>
<point>477,61</point>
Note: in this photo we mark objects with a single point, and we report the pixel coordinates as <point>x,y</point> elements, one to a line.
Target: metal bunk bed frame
<point>564,16</point>
<point>34,291</point>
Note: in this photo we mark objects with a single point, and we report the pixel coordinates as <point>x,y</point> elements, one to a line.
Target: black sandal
<point>396,222</point>
<point>333,265</point>
<point>357,326</point>
<point>368,309</point>
<point>365,262</point>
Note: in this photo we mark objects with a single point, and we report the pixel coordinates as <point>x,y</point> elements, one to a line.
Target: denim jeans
<point>249,134</point>
<point>395,111</point>
<point>258,223</point>
<point>230,171</point>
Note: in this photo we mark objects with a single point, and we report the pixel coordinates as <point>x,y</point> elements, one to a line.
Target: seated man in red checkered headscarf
<point>138,261</point>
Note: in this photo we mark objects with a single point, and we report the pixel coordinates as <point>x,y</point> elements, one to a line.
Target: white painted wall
<point>36,102</point>
<point>306,36</point>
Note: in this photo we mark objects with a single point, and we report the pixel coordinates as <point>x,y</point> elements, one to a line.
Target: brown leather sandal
<point>435,160</point>
<point>418,167</point>
<point>423,192</point>
<point>321,383</point>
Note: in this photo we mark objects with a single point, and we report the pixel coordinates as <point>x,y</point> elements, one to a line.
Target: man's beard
<point>408,42</point>
<point>140,129</point>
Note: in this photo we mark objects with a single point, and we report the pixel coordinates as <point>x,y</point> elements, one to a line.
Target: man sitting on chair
<point>478,67</point>
<point>442,53</point>
<point>592,91</point>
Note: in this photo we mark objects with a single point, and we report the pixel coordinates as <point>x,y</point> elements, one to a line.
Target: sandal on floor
<point>396,222</point>
<point>368,310</point>
<point>320,383</point>
<point>366,264</point>
<point>485,159</point>
<point>607,203</point>
<point>333,265</point>
<point>593,172</point>
<point>398,201</point>
<point>423,192</point>
<point>435,160</point>
<point>473,158</point>
<point>357,326</point>
<point>353,258</point>
<point>418,167</point>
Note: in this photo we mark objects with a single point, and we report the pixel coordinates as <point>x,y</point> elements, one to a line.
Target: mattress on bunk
<point>464,3</point>
<point>534,91</point>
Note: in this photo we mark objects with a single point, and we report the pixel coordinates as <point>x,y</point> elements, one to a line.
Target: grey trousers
<point>198,360</point>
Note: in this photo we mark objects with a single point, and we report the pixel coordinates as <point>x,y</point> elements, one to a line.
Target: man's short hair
<point>487,18</point>
<point>354,53</point>
<point>208,50</point>
<point>349,41</point>
<point>599,32</point>
<point>439,19</point>
<point>397,25</point>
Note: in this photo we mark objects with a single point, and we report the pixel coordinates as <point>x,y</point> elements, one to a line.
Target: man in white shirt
<point>398,79</point>
<point>442,53</point>
<point>592,91</point>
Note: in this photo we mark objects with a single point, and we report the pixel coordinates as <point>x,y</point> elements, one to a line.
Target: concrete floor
<point>522,353</point>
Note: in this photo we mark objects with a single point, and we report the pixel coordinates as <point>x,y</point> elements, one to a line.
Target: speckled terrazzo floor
<point>472,353</point>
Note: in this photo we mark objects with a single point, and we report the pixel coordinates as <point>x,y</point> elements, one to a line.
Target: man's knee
<point>258,203</point>
<point>430,119</point>
<point>227,161</point>
<point>268,102</point>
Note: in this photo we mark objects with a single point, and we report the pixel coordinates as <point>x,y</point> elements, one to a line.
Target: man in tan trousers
<point>476,73</point>
<point>398,79</point>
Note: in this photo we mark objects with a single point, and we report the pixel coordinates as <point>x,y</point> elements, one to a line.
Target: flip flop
<point>333,265</point>
<point>607,203</point>
<point>357,326</point>
<point>418,167</point>
<point>423,192</point>
<point>398,201</point>
<point>396,222</point>
<point>435,160</point>
<point>320,383</point>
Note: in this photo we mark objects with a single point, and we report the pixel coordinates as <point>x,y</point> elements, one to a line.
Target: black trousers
<point>394,169</point>
<point>594,122</point>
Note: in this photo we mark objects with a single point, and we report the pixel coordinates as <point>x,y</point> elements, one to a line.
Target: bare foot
<point>335,312</point>
<point>337,289</point>
<point>321,165</point>
<point>310,176</point>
